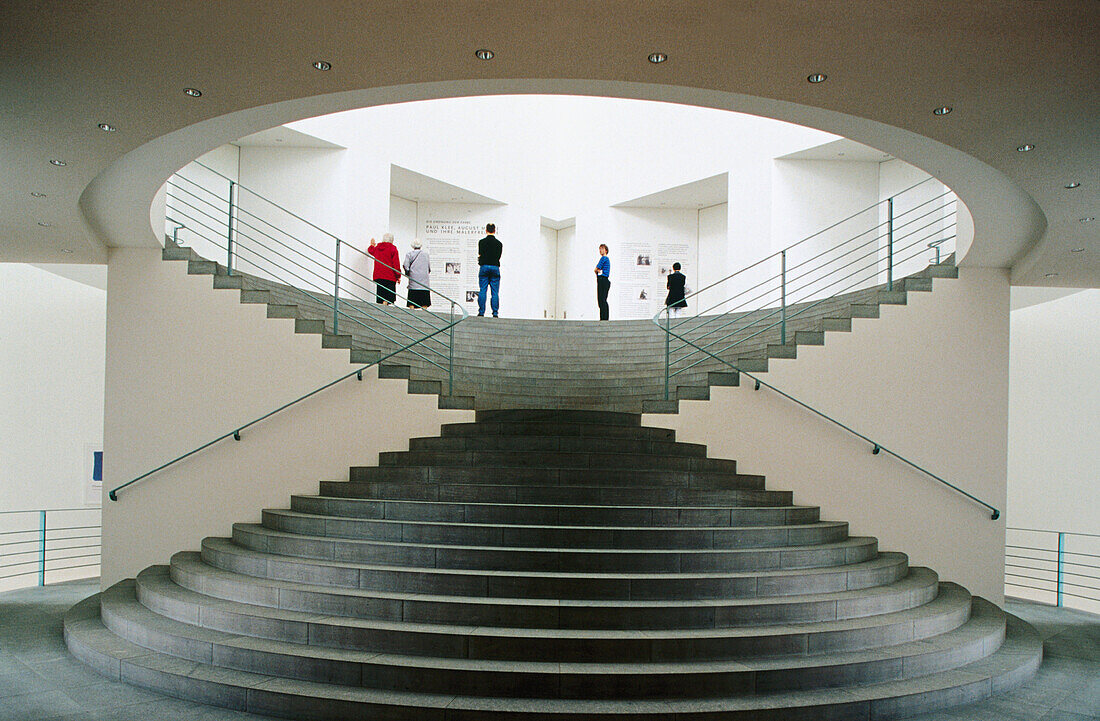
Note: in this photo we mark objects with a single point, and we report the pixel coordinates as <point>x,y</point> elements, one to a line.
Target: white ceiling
<point>412,185</point>
<point>842,150</point>
<point>698,194</point>
<point>1013,71</point>
<point>284,137</point>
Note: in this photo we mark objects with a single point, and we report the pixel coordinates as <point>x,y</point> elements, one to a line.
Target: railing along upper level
<point>276,250</point>
<point>759,304</point>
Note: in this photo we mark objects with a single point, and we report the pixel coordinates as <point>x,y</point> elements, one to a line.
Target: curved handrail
<point>876,446</point>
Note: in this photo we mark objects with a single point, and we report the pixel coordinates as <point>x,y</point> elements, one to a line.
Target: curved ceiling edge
<point>1008,223</point>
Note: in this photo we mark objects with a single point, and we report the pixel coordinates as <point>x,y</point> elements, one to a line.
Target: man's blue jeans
<point>488,276</point>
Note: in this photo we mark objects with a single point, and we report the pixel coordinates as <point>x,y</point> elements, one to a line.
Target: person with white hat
<point>417,266</point>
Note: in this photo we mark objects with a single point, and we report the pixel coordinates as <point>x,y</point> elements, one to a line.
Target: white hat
<point>416,243</point>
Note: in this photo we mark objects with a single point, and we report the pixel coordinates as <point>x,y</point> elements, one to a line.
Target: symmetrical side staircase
<point>511,363</point>
<point>551,565</point>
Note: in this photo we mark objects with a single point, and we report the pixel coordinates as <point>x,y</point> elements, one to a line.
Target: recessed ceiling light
<point>38,195</point>
<point>485,54</point>
<point>58,163</point>
<point>657,58</point>
<point>1077,250</point>
<point>1086,219</point>
<point>1051,275</point>
<point>1071,186</point>
<point>817,78</point>
<point>107,127</point>
<point>66,250</point>
<point>942,110</point>
<point>322,65</point>
<point>1025,148</point>
<point>44,224</point>
<point>193,92</point>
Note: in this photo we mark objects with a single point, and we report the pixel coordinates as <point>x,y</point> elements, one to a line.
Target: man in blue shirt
<point>603,282</point>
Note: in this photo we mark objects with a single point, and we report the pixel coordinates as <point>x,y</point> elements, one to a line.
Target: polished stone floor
<point>39,681</point>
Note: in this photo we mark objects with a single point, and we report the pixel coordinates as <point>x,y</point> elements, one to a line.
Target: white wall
<point>568,282</point>
<point>713,224</point>
<point>403,219</point>
<point>186,364</point>
<point>928,380</point>
<point>51,387</point>
<point>549,261</point>
<point>1054,415</point>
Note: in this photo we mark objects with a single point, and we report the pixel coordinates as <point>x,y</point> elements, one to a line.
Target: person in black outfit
<point>603,282</point>
<point>488,274</point>
<point>675,301</point>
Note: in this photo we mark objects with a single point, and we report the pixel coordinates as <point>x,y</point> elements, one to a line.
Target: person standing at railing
<point>675,302</point>
<point>488,274</point>
<point>603,282</point>
<point>417,267</point>
<point>386,274</point>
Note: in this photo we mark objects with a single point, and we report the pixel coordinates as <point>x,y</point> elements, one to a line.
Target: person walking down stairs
<point>386,274</point>
<point>417,267</point>
<point>488,274</point>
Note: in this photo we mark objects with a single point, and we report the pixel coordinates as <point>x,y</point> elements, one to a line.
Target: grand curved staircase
<point>551,564</point>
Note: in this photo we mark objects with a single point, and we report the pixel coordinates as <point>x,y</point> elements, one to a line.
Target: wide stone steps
<point>553,535</point>
<point>543,564</point>
<point>457,491</point>
<point>917,587</point>
<point>877,570</point>
<point>662,517</point>
<point>120,659</point>
<point>944,613</point>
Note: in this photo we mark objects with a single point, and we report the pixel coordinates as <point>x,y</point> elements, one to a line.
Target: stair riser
<point>605,418</point>
<point>630,478</point>
<point>550,428</point>
<point>554,459</point>
<point>541,559</point>
<point>554,515</point>
<point>526,585</point>
<point>526,537</point>
<point>564,615</point>
<point>563,444</point>
<point>592,495</point>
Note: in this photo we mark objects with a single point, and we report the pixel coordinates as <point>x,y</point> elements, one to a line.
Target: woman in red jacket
<point>386,273</point>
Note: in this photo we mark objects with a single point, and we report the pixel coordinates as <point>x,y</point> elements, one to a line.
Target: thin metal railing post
<point>668,346</point>
<point>451,354</point>
<point>336,293</point>
<point>231,227</point>
<point>176,233</point>
<point>890,244</point>
<point>42,548</point>
<point>783,297</point>
<point>1061,564</point>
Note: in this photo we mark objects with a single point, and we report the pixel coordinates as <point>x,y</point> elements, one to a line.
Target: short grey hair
<point>387,237</point>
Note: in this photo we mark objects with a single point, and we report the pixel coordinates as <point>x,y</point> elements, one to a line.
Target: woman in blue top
<point>603,282</point>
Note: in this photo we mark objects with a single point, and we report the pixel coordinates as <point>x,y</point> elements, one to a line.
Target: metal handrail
<point>232,233</point>
<point>702,345</point>
<point>1057,566</point>
<point>45,545</point>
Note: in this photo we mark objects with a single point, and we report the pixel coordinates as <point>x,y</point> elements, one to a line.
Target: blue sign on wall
<point>97,466</point>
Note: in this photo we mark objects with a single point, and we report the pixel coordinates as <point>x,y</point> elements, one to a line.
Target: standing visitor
<point>386,273</point>
<point>488,274</point>
<point>603,282</point>
<point>675,302</point>
<point>417,266</point>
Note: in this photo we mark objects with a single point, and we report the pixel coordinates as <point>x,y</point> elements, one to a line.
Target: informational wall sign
<point>641,272</point>
<point>450,233</point>
<point>93,474</point>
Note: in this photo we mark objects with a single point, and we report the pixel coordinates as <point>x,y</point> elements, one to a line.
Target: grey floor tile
<point>33,706</point>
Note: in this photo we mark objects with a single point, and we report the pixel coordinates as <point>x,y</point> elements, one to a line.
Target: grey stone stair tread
<point>554,459</point>
<point>1004,669</point>
<point>886,560</point>
<point>562,526</point>
<point>851,543</point>
<point>915,584</point>
<point>575,444</point>
<point>671,476</point>
<point>950,598</point>
<point>119,602</point>
<point>759,515</point>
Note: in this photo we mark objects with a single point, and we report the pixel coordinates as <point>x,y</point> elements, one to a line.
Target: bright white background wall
<point>1054,415</point>
<point>713,224</point>
<point>51,387</point>
<point>928,380</point>
<point>192,371</point>
<point>403,218</point>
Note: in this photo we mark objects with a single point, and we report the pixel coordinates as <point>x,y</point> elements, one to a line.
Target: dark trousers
<point>603,286</point>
